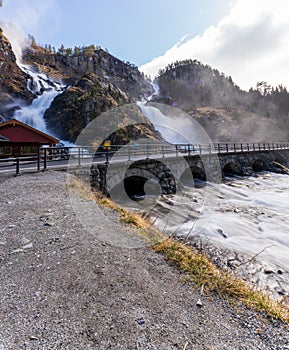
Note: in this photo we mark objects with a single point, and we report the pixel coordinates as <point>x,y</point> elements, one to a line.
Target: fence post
<point>106,155</point>
<point>45,159</point>
<point>17,167</point>
<point>177,153</point>
<point>189,150</point>
<point>79,162</point>
<point>38,159</point>
<point>200,149</point>
<point>129,153</point>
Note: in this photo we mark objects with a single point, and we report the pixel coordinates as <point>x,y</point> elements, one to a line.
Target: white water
<point>248,216</point>
<point>176,127</point>
<point>251,218</point>
<point>46,89</point>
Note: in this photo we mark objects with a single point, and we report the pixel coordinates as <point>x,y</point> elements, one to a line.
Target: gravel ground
<point>63,288</point>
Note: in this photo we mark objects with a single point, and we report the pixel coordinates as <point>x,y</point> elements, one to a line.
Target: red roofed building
<point>19,139</point>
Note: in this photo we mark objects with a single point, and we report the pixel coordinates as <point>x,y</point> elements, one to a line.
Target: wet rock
<point>199,303</point>
<point>222,233</point>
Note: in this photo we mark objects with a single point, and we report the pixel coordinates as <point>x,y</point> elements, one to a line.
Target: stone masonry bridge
<point>163,169</point>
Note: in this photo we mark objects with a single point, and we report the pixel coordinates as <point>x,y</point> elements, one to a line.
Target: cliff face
<point>79,104</point>
<point>71,67</point>
<point>227,113</point>
<point>13,81</point>
<point>235,125</point>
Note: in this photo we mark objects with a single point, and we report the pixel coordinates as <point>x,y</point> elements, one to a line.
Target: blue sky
<point>247,39</point>
<point>133,30</point>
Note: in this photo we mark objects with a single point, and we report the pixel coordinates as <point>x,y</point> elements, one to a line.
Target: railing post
<point>177,153</point>
<point>163,151</point>
<point>79,156</point>
<point>45,159</point>
<point>38,159</point>
<point>241,147</point>
<point>129,153</point>
<point>147,151</point>
<point>254,147</point>
<point>218,148</point>
<point>200,149</point>
<point>189,150</point>
<point>259,146</point>
<point>248,148</point>
<point>234,147</point>
<point>106,155</point>
<point>17,167</point>
<point>269,146</point>
<point>264,146</point>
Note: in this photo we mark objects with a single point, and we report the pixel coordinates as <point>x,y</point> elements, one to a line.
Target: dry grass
<point>204,273</point>
<point>196,266</point>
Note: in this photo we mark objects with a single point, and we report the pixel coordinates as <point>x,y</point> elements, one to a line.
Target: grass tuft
<point>204,273</point>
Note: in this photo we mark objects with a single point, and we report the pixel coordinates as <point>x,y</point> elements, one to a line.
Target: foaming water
<point>46,89</point>
<point>250,217</point>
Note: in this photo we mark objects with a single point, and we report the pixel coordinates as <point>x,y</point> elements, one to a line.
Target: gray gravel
<point>63,288</point>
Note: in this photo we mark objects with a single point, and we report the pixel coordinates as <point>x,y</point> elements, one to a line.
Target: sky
<point>246,39</point>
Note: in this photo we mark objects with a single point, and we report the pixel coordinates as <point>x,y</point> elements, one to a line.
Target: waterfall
<point>46,90</point>
<point>175,126</point>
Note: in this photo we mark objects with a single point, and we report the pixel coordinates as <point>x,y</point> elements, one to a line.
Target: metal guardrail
<point>123,153</point>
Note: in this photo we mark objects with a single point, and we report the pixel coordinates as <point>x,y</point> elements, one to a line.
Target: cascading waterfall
<point>165,125</point>
<point>251,217</point>
<point>46,89</point>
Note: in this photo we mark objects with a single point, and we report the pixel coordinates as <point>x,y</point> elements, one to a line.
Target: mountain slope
<point>13,81</point>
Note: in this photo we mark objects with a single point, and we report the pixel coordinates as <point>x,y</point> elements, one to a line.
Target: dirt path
<point>62,288</point>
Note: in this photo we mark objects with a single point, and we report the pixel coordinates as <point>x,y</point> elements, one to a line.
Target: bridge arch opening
<point>150,177</point>
<point>232,168</point>
<point>134,186</point>
<point>198,173</point>
<point>259,165</point>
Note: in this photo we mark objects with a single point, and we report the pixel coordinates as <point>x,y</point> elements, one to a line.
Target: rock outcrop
<point>13,81</point>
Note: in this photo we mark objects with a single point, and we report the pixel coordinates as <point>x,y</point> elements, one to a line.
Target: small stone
<point>280,272</point>
<point>268,271</point>
<point>11,226</point>
<point>16,251</point>
<point>141,321</point>
<point>199,303</point>
<point>28,246</point>
<point>49,224</point>
<point>33,337</point>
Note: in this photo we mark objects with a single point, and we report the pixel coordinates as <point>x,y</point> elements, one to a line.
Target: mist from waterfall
<point>46,89</point>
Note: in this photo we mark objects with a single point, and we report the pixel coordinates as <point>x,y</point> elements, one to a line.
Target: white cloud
<point>22,17</point>
<point>251,44</point>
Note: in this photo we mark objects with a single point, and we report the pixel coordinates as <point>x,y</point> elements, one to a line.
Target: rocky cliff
<point>70,66</point>
<point>84,101</point>
<point>13,81</point>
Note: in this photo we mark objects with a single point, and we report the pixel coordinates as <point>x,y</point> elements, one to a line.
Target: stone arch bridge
<point>165,170</point>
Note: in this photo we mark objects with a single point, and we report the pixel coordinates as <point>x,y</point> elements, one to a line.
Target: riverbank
<point>64,288</point>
